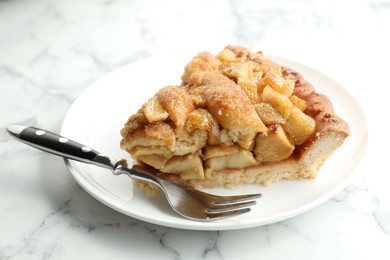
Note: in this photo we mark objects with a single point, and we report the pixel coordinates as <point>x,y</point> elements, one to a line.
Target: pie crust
<point>237,118</point>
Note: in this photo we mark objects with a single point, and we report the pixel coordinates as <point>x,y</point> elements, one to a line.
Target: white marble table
<point>50,51</point>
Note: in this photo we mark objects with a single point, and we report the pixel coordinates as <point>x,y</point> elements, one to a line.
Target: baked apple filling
<point>236,116</point>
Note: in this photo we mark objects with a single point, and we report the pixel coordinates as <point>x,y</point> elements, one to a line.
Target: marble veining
<point>50,52</point>
<point>361,199</point>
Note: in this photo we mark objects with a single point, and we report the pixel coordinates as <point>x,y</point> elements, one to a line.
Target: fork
<point>189,203</point>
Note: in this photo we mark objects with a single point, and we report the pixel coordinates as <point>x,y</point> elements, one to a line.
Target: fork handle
<point>64,147</point>
<point>58,145</point>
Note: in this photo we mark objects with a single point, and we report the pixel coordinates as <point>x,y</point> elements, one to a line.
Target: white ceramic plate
<point>97,116</point>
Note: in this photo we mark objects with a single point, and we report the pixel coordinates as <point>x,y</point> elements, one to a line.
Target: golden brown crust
<point>204,62</point>
<point>155,134</point>
<point>176,102</point>
<point>257,57</point>
<point>212,109</point>
<point>225,102</point>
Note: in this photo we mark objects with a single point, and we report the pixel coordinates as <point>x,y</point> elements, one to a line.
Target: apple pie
<point>238,117</point>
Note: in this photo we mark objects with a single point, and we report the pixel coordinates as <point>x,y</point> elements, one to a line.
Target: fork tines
<point>225,206</point>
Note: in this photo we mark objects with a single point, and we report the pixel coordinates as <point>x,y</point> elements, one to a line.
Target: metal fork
<point>189,203</point>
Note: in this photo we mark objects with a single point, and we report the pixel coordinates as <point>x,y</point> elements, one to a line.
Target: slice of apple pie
<point>237,118</point>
